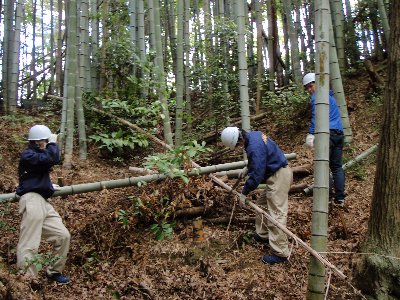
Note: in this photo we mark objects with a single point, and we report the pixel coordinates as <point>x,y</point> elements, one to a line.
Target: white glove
<point>56,187</point>
<point>310,140</point>
<point>242,200</point>
<point>53,138</point>
<point>243,173</point>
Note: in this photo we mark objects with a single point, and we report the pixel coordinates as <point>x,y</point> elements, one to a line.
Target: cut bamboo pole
<point>119,183</point>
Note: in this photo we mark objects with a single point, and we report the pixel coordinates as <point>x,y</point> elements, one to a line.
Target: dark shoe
<point>59,278</point>
<point>339,202</point>
<point>257,238</point>
<point>273,259</point>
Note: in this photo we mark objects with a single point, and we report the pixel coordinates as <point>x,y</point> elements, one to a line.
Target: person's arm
<point>311,130</point>
<point>256,166</point>
<point>47,157</point>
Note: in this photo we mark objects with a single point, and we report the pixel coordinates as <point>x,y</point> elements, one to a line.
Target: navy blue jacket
<point>334,114</point>
<point>34,169</point>
<point>265,158</point>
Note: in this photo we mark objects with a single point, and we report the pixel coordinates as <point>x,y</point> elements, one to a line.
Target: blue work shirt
<point>264,159</point>
<point>334,114</point>
<point>34,169</point>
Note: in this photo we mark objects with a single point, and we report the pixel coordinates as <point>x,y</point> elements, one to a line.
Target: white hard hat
<point>230,136</point>
<point>309,77</point>
<point>39,132</point>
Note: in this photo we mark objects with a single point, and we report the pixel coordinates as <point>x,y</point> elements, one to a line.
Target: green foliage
<point>172,163</point>
<point>220,70</point>
<point>122,218</point>
<point>163,230</point>
<point>41,260</point>
<point>5,211</point>
<point>118,141</point>
<point>286,104</point>
<point>116,138</point>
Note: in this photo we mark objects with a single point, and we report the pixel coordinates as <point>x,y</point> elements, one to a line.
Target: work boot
<point>339,202</point>
<point>59,278</point>
<point>273,259</point>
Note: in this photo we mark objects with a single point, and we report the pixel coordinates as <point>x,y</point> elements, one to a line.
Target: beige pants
<point>274,200</point>
<point>39,219</point>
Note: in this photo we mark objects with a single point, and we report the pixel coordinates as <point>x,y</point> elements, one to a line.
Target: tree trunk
<point>72,71</point>
<point>319,225</point>
<point>379,275</point>
<point>243,76</point>
<point>180,83</point>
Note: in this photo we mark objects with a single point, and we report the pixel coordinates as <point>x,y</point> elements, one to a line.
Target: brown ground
<point>108,261</point>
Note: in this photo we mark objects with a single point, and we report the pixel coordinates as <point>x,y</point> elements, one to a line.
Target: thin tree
<point>378,273</point>
<point>258,4</point>
<point>71,80</point>
<point>94,46</point>
<point>186,33</point>
<point>337,20</point>
<point>160,75</point>
<point>319,226</point>
<point>338,89</point>
<point>243,76</point>
<point>294,45</point>
<point>180,82</point>
<point>384,19</point>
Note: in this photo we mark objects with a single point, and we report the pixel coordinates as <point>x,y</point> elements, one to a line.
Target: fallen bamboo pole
<point>119,183</point>
<point>348,164</point>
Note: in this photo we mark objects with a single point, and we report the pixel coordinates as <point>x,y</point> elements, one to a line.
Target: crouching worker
<point>266,164</point>
<point>39,218</point>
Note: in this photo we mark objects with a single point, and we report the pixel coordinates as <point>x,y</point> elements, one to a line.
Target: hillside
<point>109,261</point>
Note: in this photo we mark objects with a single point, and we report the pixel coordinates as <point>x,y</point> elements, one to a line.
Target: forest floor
<point>110,261</point>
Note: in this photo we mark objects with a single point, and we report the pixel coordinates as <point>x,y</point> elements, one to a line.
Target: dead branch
<point>191,211</point>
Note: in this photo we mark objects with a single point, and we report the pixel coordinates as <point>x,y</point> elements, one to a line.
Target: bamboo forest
<point>200,149</point>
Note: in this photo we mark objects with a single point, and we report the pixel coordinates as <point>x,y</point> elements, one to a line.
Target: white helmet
<point>309,77</point>
<point>39,132</point>
<point>230,136</point>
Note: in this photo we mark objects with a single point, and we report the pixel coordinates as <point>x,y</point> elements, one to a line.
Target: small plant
<point>162,230</point>
<point>122,218</point>
<point>41,260</point>
<point>6,226</point>
<point>174,161</point>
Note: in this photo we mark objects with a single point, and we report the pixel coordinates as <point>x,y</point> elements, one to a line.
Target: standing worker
<point>266,163</point>
<point>39,218</point>
<point>336,140</point>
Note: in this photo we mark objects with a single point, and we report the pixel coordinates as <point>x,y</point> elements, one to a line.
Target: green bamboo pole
<point>119,183</point>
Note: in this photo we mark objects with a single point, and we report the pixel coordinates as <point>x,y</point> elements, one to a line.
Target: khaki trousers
<point>274,200</point>
<point>39,219</point>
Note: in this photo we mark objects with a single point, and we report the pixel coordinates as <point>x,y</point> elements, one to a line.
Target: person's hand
<point>310,141</point>
<point>242,200</point>
<point>53,138</point>
<point>56,187</point>
<point>243,172</point>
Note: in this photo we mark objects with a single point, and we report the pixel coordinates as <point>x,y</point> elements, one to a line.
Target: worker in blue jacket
<point>266,164</point>
<point>336,140</point>
<point>39,218</point>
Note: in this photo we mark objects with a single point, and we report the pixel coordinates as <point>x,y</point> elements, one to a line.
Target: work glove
<point>53,138</point>
<point>242,200</point>
<point>56,187</point>
<point>243,172</point>
<point>310,141</point>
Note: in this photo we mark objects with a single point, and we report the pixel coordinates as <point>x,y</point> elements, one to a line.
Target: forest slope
<point>109,261</point>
